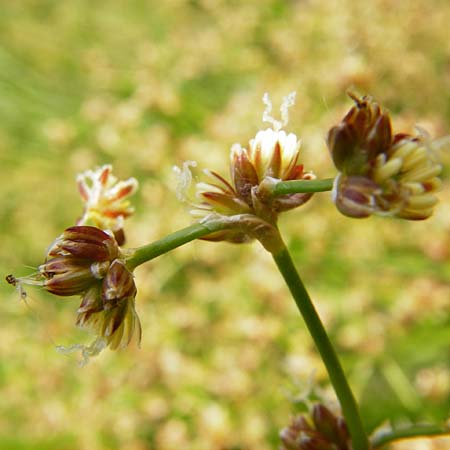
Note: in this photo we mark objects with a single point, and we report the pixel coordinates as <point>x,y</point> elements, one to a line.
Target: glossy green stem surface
<point>197,230</point>
<point>329,357</point>
<point>302,186</point>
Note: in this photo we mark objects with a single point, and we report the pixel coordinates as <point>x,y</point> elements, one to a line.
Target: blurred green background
<point>145,85</point>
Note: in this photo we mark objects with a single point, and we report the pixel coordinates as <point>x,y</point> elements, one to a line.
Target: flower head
<point>381,172</point>
<point>87,261</point>
<point>272,155</point>
<point>321,431</point>
<point>106,200</point>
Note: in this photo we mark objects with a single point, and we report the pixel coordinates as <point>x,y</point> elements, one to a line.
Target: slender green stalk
<point>195,231</point>
<point>302,186</point>
<point>174,240</point>
<point>383,438</point>
<point>337,377</point>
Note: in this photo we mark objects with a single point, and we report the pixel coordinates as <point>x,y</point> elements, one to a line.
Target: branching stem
<point>174,240</point>
<point>287,269</point>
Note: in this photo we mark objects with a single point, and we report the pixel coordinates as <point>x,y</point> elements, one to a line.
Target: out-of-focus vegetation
<point>146,85</point>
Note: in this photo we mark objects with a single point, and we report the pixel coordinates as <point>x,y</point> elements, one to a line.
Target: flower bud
<point>85,242</point>
<point>361,136</point>
<point>77,260</point>
<point>326,432</point>
<point>312,440</point>
<point>354,195</point>
<point>91,302</point>
<point>243,174</point>
<point>327,424</point>
<point>65,275</point>
<point>118,284</point>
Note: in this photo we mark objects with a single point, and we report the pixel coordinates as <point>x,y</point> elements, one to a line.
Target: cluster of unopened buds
<point>87,261</point>
<point>322,430</point>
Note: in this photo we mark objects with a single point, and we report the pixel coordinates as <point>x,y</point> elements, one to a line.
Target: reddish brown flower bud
<point>77,260</point>
<point>360,137</point>
<point>243,174</point>
<point>379,137</point>
<point>85,242</point>
<point>326,432</point>
<point>65,275</point>
<point>354,196</point>
<point>118,285</point>
<point>326,423</point>
<point>342,142</point>
<point>91,302</point>
<point>312,440</point>
<point>343,435</point>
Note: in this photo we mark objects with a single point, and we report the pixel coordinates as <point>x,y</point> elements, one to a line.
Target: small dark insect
<point>11,279</point>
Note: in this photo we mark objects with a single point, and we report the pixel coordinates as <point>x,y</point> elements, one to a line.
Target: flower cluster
<point>322,431</point>
<point>106,200</point>
<point>381,172</point>
<point>271,156</point>
<point>87,261</point>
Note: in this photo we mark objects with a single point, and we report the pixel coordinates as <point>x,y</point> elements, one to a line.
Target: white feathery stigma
<point>288,101</point>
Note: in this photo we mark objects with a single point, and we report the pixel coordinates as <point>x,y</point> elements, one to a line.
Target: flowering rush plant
<point>379,172</point>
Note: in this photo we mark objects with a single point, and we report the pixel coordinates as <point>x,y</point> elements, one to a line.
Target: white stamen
<point>184,179</point>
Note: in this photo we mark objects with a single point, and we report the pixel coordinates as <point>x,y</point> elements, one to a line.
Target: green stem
<point>197,230</point>
<point>302,186</point>
<point>337,377</point>
<point>415,431</point>
<point>180,237</point>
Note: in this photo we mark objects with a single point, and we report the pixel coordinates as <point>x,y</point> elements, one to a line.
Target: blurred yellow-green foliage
<point>146,85</point>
